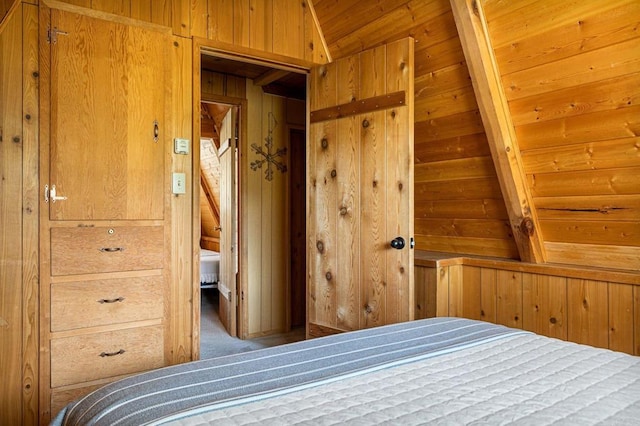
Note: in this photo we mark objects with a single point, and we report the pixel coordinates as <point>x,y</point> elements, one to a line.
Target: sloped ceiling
<point>569,76</point>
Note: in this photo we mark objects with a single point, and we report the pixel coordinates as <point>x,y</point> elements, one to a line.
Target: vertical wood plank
<point>253,209</point>
<point>178,268</point>
<point>181,17</point>
<point>456,290</point>
<point>257,30</point>
<point>488,295</point>
<point>544,300</point>
<point>44,308</point>
<point>241,30</point>
<point>141,10</point>
<point>30,213</point>
<point>621,317</point>
<point>587,312</point>
<point>222,20</point>
<point>348,156</point>
<point>348,226</point>
<point>200,18</point>
<point>266,197</point>
<point>161,11</point>
<point>442,288</point>
<point>11,250</point>
<point>373,243</point>
<point>279,230</point>
<point>472,292</point>
<point>399,183</point>
<point>425,292</point>
<point>509,302</point>
<point>117,7</point>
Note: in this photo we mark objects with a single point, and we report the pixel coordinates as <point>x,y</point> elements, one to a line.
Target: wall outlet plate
<point>179,183</point>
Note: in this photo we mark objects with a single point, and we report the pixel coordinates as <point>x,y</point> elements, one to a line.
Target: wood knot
<point>368,309</point>
<point>320,246</point>
<point>16,139</point>
<point>365,123</point>
<point>400,186</point>
<point>402,269</point>
<point>552,320</point>
<point>328,276</point>
<point>393,114</point>
<point>527,227</point>
<point>343,211</point>
<point>324,143</point>
<point>334,173</point>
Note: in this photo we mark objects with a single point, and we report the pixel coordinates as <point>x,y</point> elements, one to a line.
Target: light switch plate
<point>179,183</point>
<point>181,146</point>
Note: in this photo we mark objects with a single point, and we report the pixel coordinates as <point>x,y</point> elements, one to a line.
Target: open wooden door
<point>228,222</point>
<point>360,180</point>
<point>103,227</point>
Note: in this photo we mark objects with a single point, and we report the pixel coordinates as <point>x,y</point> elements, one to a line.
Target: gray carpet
<point>214,339</point>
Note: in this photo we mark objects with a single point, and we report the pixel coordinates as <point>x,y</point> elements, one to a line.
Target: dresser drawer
<point>103,302</point>
<point>87,250</point>
<point>96,356</point>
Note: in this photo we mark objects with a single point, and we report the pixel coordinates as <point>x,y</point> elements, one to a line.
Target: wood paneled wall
<point>458,203</point>
<point>579,305</point>
<point>284,27</point>
<point>19,197</point>
<point>571,74</point>
<point>267,211</point>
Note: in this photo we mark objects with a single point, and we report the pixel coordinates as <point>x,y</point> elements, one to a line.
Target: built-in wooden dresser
<point>106,306</point>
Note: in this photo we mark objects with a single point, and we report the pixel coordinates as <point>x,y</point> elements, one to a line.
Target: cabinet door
<point>107,119</point>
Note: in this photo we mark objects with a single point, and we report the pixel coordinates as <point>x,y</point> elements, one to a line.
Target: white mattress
<point>209,267</point>
<point>523,379</point>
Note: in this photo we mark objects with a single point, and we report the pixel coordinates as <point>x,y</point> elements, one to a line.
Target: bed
<point>436,371</point>
<point>209,268</point>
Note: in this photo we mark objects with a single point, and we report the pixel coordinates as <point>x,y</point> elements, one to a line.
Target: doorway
<point>272,117</point>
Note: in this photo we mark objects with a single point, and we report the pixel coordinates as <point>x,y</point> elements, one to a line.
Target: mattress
<point>436,371</point>
<point>209,268</point>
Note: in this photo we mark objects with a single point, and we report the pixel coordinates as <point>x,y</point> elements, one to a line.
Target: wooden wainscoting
<point>593,306</point>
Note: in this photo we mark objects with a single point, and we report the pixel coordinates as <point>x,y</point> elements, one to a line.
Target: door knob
<point>398,243</point>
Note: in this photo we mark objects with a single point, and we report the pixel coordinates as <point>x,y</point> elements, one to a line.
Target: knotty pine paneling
<point>284,27</point>
<point>19,201</point>
<point>11,283</point>
<point>571,74</point>
<point>570,304</point>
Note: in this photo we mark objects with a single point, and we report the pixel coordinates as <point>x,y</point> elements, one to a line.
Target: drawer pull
<point>104,354</point>
<point>111,249</point>
<point>117,299</point>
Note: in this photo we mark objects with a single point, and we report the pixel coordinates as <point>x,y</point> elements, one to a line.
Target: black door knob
<point>398,243</point>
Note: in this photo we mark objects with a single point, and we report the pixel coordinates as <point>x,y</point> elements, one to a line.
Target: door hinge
<point>52,34</point>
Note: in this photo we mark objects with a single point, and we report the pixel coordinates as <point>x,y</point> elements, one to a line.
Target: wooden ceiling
<point>340,19</point>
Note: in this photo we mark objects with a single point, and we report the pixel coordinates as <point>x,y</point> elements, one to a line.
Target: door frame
<point>247,55</point>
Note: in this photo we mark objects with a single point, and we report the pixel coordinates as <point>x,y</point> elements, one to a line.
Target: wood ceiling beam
<point>269,77</point>
<point>496,117</point>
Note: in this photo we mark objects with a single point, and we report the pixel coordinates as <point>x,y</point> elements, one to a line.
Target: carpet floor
<point>215,341</point>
